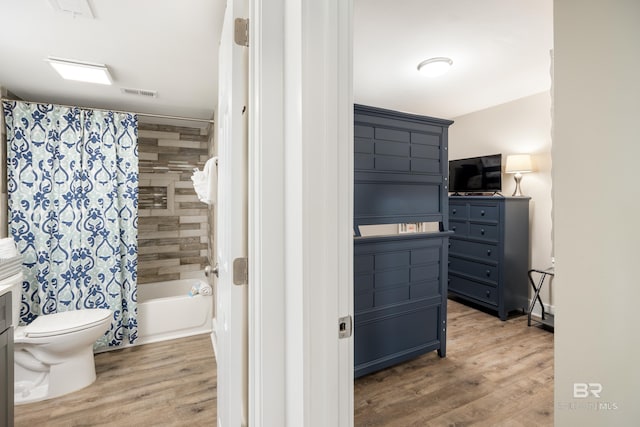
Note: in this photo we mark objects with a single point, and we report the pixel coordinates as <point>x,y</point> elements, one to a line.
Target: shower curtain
<point>72,178</point>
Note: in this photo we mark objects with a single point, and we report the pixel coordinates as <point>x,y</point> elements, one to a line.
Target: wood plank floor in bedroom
<point>495,373</point>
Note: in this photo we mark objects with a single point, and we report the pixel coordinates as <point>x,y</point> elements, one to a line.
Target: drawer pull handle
<point>454,211</point>
<point>488,252</point>
<point>482,231</point>
<point>488,273</point>
<point>454,228</point>
<point>482,212</point>
<point>488,293</point>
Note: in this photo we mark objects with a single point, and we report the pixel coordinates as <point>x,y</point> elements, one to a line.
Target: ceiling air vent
<point>140,92</point>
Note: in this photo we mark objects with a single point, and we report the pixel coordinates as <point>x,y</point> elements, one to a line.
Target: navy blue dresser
<point>400,280</point>
<point>489,251</point>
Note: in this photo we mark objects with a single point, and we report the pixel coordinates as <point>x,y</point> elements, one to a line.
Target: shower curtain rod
<point>159,116</point>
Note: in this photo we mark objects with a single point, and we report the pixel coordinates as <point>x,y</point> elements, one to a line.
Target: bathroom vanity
<point>6,358</point>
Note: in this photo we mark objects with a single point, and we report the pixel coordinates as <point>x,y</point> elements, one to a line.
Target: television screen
<point>476,174</point>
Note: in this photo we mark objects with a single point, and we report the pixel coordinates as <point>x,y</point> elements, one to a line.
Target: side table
<point>547,319</point>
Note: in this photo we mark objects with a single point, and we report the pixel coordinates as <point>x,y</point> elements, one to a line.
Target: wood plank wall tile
<point>173,240</point>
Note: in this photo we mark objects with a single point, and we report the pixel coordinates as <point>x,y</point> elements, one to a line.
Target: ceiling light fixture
<point>435,67</point>
<point>81,71</point>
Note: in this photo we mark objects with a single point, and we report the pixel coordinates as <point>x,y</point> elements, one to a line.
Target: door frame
<point>231,224</point>
<point>300,212</point>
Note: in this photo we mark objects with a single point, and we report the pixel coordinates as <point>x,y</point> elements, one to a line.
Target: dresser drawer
<point>473,289</point>
<point>484,272</point>
<point>482,251</point>
<point>459,228</point>
<point>484,212</point>
<point>458,211</point>
<point>483,231</point>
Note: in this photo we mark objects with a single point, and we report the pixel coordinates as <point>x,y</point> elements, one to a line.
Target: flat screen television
<point>476,174</point>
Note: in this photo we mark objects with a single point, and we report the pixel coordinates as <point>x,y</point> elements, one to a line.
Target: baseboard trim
<point>547,309</point>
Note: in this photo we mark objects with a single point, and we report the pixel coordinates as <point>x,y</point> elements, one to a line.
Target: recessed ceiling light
<point>81,71</point>
<point>435,67</point>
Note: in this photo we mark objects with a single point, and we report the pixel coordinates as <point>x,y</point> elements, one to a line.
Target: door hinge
<point>240,271</point>
<point>345,327</point>
<point>241,33</point>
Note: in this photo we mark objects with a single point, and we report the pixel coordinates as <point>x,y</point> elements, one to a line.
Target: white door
<point>231,225</point>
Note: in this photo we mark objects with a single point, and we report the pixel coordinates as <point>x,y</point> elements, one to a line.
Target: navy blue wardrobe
<point>400,280</point>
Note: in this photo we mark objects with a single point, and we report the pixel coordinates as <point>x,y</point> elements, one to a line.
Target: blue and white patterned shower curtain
<point>73,211</point>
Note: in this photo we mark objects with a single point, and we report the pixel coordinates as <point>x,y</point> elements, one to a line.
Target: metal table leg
<point>536,296</point>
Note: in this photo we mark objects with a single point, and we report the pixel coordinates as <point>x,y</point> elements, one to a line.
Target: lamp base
<point>518,191</point>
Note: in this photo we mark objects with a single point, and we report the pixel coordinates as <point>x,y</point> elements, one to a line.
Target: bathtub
<point>166,311</point>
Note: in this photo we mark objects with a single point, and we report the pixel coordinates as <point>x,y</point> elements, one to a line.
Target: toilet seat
<point>51,325</point>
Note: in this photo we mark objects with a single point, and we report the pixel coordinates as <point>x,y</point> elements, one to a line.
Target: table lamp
<point>518,164</point>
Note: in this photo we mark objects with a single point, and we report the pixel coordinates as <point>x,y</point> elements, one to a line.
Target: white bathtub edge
<point>167,313</point>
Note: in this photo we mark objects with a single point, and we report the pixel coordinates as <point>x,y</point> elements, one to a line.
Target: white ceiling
<point>500,50</point>
<point>159,45</point>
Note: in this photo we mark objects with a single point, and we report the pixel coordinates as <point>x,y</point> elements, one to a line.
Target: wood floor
<point>495,374</point>
<point>172,383</point>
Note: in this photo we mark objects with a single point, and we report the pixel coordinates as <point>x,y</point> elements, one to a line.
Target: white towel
<point>8,248</point>
<point>205,290</point>
<point>205,182</point>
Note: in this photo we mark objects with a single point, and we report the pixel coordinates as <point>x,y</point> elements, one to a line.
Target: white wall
<point>595,154</point>
<point>520,126</point>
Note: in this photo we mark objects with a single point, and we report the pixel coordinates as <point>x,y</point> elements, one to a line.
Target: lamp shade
<point>518,163</point>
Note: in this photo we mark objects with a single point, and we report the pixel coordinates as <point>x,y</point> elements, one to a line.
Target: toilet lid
<point>66,322</point>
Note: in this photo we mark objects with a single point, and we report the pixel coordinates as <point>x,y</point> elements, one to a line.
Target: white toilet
<point>54,353</point>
